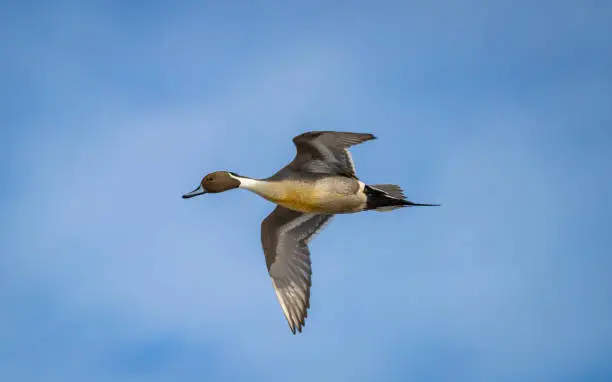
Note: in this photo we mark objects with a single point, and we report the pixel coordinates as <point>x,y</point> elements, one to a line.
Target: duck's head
<point>215,182</point>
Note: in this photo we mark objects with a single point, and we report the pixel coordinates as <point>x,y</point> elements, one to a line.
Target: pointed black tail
<point>409,203</point>
<point>388,197</point>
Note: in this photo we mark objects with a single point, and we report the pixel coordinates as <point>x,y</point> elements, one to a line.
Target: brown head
<point>215,182</point>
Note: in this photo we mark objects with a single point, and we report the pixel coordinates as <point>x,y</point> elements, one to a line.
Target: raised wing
<point>284,236</point>
<point>326,152</point>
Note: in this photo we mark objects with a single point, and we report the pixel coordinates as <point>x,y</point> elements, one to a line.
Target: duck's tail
<point>387,197</point>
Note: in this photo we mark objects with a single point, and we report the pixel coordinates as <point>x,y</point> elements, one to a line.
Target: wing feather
<point>327,152</point>
<point>285,235</point>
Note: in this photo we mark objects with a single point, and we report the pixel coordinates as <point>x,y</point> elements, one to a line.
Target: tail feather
<point>388,197</point>
<point>411,204</point>
<point>393,190</point>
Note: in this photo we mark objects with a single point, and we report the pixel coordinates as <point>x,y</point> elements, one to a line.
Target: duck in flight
<point>319,183</point>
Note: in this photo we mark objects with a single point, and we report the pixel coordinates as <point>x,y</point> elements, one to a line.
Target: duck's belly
<point>323,196</point>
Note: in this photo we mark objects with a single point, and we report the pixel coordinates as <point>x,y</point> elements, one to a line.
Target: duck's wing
<point>326,152</point>
<point>284,236</point>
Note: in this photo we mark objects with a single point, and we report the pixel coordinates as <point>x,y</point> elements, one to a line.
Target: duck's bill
<point>198,191</point>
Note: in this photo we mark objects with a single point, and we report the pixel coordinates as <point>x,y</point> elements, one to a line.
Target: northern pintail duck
<point>319,183</point>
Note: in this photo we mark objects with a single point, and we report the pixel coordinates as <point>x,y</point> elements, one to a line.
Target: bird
<point>317,184</point>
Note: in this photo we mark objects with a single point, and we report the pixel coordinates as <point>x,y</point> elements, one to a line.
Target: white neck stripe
<point>247,183</point>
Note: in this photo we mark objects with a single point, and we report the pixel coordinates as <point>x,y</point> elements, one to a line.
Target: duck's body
<point>319,183</point>
<point>311,193</point>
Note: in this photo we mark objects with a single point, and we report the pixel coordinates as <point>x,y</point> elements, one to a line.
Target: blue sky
<point>499,110</point>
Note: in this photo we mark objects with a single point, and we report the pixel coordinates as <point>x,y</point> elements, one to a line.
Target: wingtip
<point>291,327</point>
<point>295,329</point>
